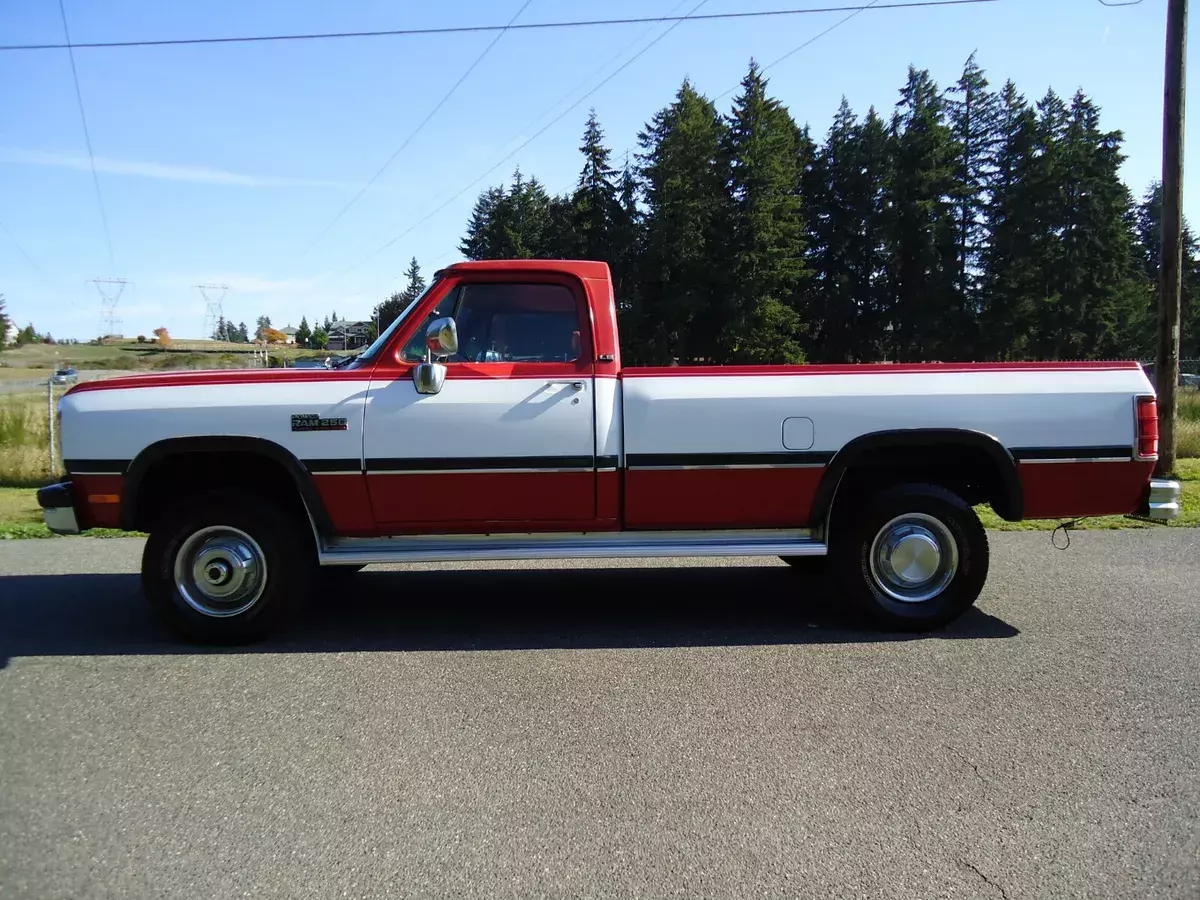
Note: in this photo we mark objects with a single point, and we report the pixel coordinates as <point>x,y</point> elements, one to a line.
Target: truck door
<point>510,437</point>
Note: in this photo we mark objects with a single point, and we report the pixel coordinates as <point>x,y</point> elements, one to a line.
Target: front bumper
<point>58,508</point>
<point>1163,502</point>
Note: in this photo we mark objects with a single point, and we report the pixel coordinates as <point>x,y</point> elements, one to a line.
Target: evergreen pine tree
<point>847,209</point>
<point>303,332</point>
<point>560,240</point>
<point>387,311</point>
<point>1012,287</point>
<point>923,228</point>
<point>1149,249</point>
<point>476,243</point>
<point>767,229</point>
<point>1091,267</point>
<point>595,207</point>
<point>686,220</point>
<point>974,122</point>
<point>416,282</point>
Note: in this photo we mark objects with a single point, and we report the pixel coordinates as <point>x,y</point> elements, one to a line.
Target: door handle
<point>576,385</point>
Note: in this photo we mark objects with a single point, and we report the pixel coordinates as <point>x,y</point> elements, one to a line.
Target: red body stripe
<point>668,498</point>
<point>1063,490</point>
<point>222,376</point>
<point>413,501</point>
<point>609,491</point>
<point>347,504</point>
<point>720,498</point>
<point>930,368</point>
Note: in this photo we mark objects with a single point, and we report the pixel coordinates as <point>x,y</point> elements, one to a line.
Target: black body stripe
<point>1031,453</point>
<point>95,466</point>
<point>452,464</point>
<point>316,466</point>
<point>664,460</point>
<point>606,462</point>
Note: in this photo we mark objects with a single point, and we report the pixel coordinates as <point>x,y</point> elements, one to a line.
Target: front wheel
<point>914,558</point>
<point>226,570</point>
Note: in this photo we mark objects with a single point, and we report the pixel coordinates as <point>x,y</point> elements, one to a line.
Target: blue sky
<point>224,163</point>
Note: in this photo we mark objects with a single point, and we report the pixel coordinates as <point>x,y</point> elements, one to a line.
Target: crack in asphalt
<point>975,869</point>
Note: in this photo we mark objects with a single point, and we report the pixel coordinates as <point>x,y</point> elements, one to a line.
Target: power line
<point>528,141</point>
<point>56,288</point>
<point>87,135</point>
<point>29,259</point>
<point>415,131</point>
<point>464,29</point>
<point>816,37</point>
<point>595,72</point>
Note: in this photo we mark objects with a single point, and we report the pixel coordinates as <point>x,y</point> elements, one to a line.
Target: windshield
<point>377,345</point>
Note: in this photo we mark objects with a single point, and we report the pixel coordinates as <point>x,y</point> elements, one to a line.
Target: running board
<point>599,545</point>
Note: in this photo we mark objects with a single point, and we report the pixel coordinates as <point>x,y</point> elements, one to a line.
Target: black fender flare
<point>908,438</point>
<point>160,450</point>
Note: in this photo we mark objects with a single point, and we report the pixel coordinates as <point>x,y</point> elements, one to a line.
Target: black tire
<point>213,528</point>
<point>932,516</point>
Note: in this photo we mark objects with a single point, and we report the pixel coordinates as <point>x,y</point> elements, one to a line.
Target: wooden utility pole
<point>1170,267</point>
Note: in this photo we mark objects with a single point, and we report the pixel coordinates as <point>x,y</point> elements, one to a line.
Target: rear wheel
<point>914,558</point>
<point>226,570</point>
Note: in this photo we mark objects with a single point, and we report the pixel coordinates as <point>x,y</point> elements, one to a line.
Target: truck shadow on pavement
<point>474,609</point>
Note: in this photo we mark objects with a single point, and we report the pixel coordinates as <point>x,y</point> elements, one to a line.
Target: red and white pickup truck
<point>493,420</point>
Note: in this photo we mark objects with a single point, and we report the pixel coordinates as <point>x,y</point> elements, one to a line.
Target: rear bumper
<point>1163,500</point>
<point>58,508</point>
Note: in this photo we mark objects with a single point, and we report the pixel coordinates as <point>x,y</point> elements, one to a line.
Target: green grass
<point>1187,426</point>
<point>25,439</point>
<point>21,517</point>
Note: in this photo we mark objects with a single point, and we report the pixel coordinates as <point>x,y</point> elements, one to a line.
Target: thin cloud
<point>164,171</point>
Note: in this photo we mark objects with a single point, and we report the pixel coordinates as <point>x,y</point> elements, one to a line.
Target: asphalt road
<point>576,732</point>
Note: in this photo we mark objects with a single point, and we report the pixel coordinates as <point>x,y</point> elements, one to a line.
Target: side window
<point>414,350</point>
<point>518,323</point>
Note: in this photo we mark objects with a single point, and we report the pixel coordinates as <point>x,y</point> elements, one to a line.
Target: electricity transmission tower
<point>214,312</point>
<point>110,290</point>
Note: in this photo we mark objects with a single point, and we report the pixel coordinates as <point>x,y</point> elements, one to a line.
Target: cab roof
<point>581,268</point>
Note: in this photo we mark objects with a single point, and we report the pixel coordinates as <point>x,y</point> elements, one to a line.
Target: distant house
<point>347,335</point>
<point>290,333</point>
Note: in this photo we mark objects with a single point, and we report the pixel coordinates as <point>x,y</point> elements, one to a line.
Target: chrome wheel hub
<point>913,558</point>
<point>220,571</point>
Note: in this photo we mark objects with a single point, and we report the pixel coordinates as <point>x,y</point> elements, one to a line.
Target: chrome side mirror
<point>441,337</point>
<point>428,377</point>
